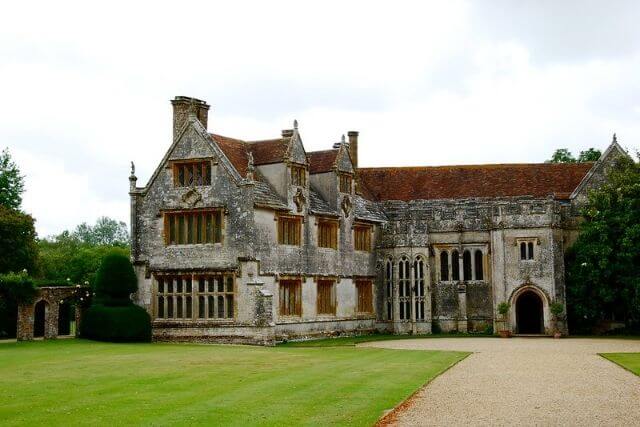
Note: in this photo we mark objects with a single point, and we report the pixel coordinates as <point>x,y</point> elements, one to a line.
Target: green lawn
<point>85,382</point>
<point>629,361</point>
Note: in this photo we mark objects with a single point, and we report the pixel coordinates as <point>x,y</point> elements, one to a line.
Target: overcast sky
<point>85,87</point>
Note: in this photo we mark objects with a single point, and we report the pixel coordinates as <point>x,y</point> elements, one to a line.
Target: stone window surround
<point>195,275</point>
<point>392,287</point>
<point>535,241</point>
<point>461,248</point>
<point>174,164</point>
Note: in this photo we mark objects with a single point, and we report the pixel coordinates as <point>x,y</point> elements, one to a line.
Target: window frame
<point>206,172</point>
<point>285,308</point>
<point>326,300</point>
<point>526,248</point>
<point>365,240</point>
<point>345,183</point>
<point>182,225</point>
<point>284,233</point>
<point>364,300</point>
<point>298,175</point>
<point>184,296</point>
<point>331,234</point>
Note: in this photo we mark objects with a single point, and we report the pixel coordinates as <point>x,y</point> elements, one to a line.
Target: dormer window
<point>298,175</point>
<point>191,173</point>
<point>345,183</point>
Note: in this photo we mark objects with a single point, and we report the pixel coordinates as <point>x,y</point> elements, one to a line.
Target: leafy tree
<point>603,266</point>
<point>106,231</point>
<point>563,155</point>
<point>18,249</point>
<point>11,182</point>
<point>591,155</point>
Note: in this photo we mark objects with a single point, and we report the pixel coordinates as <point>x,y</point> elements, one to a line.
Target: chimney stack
<point>353,147</point>
<point>183,106</point>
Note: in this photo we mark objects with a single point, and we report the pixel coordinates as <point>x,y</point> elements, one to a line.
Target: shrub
<point>115,280</point>
<point>503,308</point>
<point>116,324</point>
<point>556,309</point>
<point>17,288</point>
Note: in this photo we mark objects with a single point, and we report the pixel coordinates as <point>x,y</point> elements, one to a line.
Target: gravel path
<point>525,381</point>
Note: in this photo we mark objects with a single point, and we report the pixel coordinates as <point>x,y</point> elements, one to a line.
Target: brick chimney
<point>182,107</point>
<point>353,147</point>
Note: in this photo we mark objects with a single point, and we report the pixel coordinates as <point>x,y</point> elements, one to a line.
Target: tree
<point>11,182</point>
<point>115,280</point>
<point>106,231</point>
<point>18,248</point>
<point>563,155</point>
<point>603,266</point>
<point>591,155</point>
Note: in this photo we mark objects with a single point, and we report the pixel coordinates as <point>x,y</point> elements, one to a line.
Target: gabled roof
<point>235,150</point>
<point>269,151</point>
<point>473,181</point>
<point>322,161</point>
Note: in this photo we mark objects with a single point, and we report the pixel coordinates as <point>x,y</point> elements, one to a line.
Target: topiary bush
<point>116,324</point>
<point>115,280</point>
<point>113,316</point>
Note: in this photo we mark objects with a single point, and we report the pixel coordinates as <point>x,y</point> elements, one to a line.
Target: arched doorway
<point>66,318</point>
<point>529,317</point>
<point>39,314</point>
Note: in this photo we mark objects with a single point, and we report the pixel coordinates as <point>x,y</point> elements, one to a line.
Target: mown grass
<point>91,383</point>
<point>354,340</point>
<point>629,361</point>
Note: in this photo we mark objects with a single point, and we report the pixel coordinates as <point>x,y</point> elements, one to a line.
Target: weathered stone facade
<point>254,242</point>
<point>44,312</point>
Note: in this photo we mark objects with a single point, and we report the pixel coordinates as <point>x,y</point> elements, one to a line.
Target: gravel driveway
<point>525,381</point>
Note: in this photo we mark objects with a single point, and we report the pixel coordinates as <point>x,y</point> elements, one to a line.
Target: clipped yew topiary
<point>113,316</point>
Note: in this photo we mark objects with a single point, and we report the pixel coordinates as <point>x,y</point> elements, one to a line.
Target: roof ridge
<point>485,165</point>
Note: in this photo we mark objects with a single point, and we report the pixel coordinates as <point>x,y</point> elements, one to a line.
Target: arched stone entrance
<point>39,316</point>
<point>529,313</point>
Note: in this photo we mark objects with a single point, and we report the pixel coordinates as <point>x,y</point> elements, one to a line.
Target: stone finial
<point>615,139</point>
<point>342,139</point>
<point>132,178</point>
<point>295,124</point>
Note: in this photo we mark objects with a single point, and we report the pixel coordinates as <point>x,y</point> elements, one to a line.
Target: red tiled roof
<point>461,182</point>
<point>235,150</point>
<point>322,161</point>
<point>268,151</point>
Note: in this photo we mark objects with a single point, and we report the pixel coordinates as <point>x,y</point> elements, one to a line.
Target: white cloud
<point>86,87</point>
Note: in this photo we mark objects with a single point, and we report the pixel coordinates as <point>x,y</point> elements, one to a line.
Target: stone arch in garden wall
<point>42,317</point>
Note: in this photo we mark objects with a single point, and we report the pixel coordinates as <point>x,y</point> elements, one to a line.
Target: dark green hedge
<point>115,278</point>
<point>116,324</point>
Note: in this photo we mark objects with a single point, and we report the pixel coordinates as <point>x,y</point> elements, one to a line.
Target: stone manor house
<point>259,241</point>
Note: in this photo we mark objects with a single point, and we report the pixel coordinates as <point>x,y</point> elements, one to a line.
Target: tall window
<point>326,303</point>
<point>193,227</point>
<point>289,230</point>
<point>328,234</point>
<point>362,237</point>
<point>455,265</point>
<point>186,174</point>
<point>466,265</point>
<point>444,266</point>
<point>208,296</point>
<point>298,175</point>
<point>364,293</point>
<point>418,280</point>
<point>526,250</point>
<point>404,288</point>
<point>290,298</point>
<point>345,183</point>
<point>479,265</point>
<point>388,288</point>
